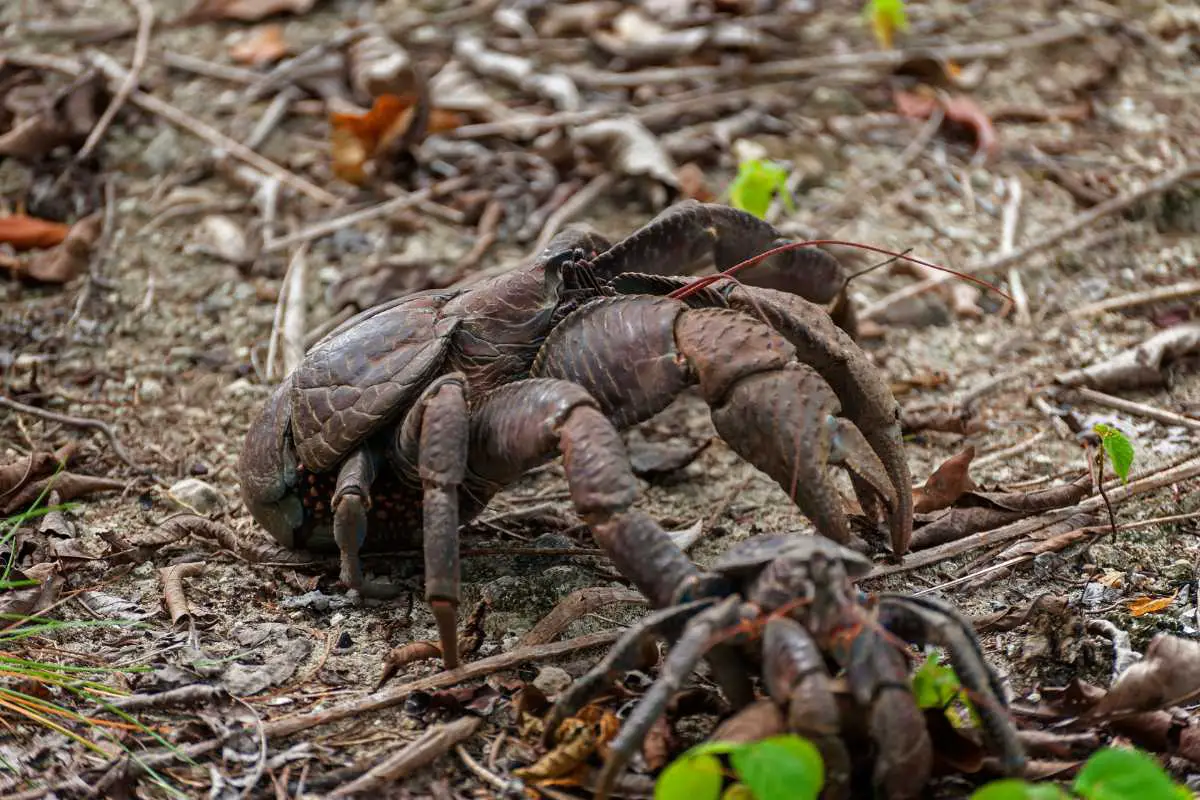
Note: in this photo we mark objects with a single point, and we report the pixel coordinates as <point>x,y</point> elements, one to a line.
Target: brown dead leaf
<point>68,259</point>
<point>1138,366</point>
<point>657,746</point>
<point>940,418</point>
<point>959,109</point>
<point>69,485</point>
<point>578,738</point>
<point>173,595</point>
<point>263,45</point>
<point>380,66</point>
<point>1141,606</point>
<point>43,119</point>
<point>356,139</point>
<point>1169,674</point>
<point>692,183</point>
<point>628,147</point>
<point>244,10</point>
<point>29,233</point>
<point>946,484</point>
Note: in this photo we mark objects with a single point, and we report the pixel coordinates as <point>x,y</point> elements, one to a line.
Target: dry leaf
<point>379,66</point>
<point>958,109</point>
<point>28,233</point>
<point>263,45</point>
<point>221,236</point>
<point>356,139</point>
<point>244,10</point>
<point>946,484</point>
<point>1169,674</point>
<point>578,738</point>
<point>628,147</point>
<point>1139,366</point>
<point>1141,606</point>
<point>69,258</point>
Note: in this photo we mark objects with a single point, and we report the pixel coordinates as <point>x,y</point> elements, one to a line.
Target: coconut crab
<point>789,602</point>
<point>407,419</point>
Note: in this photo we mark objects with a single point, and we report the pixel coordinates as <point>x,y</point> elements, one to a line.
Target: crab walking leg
<point>681,661</point>
<point>351,502</point>
<point>635,354</point>
<point>622,657</point>
<point>797,680</point>
<point>440,427</point>
<point>680,236</point>
<point>523,424</point>
<point>925,620</point>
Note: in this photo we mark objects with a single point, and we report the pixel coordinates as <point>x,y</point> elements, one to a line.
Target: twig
<point>483,773</point>
<point>428,747</point>
<point>576,605</point>
<point>1045,242</point>
<point>288,323</point>
<point>209,69</point>
<point>284,73</point>
<point>887,59</point>
<point>935,555</point>
<point>81,422</point>
<point>325,228</point>
<point>1008,238</point>
<point>485,236</point>
<point>1137,409</point>
<point>116,73</point>
<point>573,207</point>
<point>1179,291</point>
<point>1016,449</point>
<point>145,14</point>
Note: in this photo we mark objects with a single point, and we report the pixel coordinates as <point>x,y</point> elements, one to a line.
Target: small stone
<point>196,495</point>
<point>150,390</point>
<point>161,154</point>
<point>344,641</point>
<point>552,680</point>
<point>198,468</point>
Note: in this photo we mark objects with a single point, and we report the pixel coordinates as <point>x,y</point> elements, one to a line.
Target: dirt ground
<point>167,342</point>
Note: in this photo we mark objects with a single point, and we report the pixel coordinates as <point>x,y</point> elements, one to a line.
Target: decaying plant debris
<point>192,192</point>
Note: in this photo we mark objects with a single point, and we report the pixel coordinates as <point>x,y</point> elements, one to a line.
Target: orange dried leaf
<point>264,45</point>
<point>357,138</point>
<point>1141,606</point>
<point>28,233</point>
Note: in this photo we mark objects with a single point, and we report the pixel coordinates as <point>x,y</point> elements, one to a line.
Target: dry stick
<point>1008,238</point>
<point>1007,452</point>
<point>80,422</point>
<point>1137,409</point>
<point>485,236</point>
<point>573,207</point>
<point>1177,292</point>
<point>935,555</point>
<point>145,14</point>
<point>1089,530</point>
<point>329,226</point>
<point>431,745</point>
<point>116,73</point>
<point>288,322</point>
<point>209,69</point>
<point>577,605</point>
<point>1073,226</point>
<point>888,59</point>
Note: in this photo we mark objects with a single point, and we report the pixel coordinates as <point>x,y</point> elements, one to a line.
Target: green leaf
<point>691,777</point>
<point>885,18</point>
<point>780,768</point>
<point>1124,773</point>
<point>738,791</point>
<point>935,685</point>
<point>1118,448</point>
<point>756,184</point>
<point>1014,789</point>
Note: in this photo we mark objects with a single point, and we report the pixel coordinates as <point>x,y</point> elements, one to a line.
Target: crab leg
<point>350,503</point>
<point>681,661</point>
<point>523,424</point>
<point>621,658</point>
<point>925,620</point>
<point>796,678</point>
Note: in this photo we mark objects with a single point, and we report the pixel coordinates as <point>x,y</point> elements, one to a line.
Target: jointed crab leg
<point>926,620</point>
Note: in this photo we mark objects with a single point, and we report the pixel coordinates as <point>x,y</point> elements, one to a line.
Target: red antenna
<point>708,280</point>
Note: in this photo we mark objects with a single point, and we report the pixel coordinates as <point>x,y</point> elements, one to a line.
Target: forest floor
<point>1060,164</point>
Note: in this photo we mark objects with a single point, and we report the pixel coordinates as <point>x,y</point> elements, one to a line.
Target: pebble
<point>150,390</point>
<point>196,495</point>
<point>552,680</point>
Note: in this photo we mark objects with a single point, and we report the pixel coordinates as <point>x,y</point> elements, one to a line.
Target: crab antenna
<point>700,283</point>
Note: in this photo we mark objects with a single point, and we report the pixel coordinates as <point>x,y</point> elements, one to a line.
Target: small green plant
<point>885,18</point>
<point>786,767</point>
<point>1118,448</point>
<point>756,184</point>
<point>1112,773</point>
